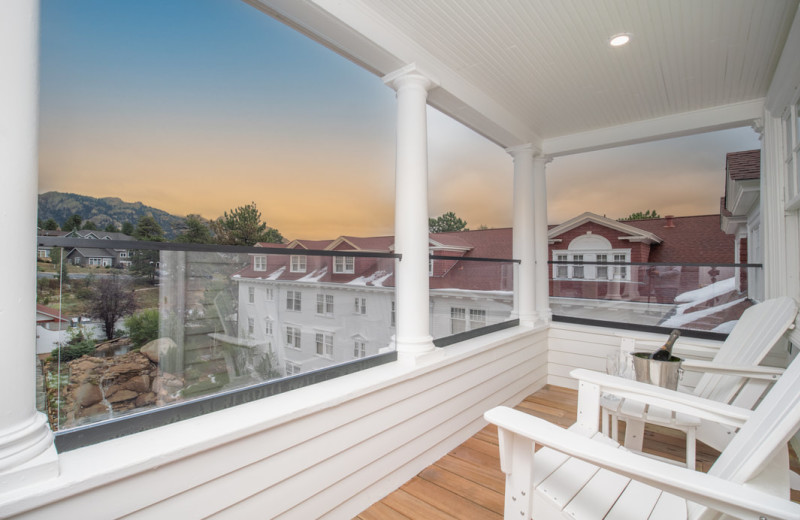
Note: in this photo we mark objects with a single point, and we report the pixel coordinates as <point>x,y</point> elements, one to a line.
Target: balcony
<point>333,448</point>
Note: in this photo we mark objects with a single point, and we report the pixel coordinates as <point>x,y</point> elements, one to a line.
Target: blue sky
<point>199,106</point>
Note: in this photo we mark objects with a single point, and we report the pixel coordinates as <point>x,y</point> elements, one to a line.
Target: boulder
<point>139,384</point>
<point>122,395</point>
<point>88,394</point>
<point>154,349</point>
<point>146,399</point>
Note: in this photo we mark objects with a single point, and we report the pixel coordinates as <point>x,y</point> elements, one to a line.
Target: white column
<point>540,239</point>
<point>523,235</point>
<point>413,335</point>
<point>27,454</point>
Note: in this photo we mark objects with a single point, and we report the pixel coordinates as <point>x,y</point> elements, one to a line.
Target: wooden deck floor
<point>467,482</point>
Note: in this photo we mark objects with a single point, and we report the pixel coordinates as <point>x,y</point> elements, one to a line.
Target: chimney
<point>670,223</point>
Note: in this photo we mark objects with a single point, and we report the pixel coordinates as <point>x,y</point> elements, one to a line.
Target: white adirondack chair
<point>733,377</point>
<point>581,474</point>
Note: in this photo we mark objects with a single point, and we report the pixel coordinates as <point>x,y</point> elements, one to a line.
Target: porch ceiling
<point>541,71</point>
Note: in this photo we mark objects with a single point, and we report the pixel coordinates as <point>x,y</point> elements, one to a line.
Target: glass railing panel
<point>190,325</point>
<point>468,294</point>
<point>691,297</point>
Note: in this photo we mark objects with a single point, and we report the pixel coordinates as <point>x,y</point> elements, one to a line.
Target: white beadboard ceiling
<point>541,71</point>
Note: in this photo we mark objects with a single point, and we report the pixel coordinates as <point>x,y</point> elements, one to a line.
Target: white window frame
<point>323,344</point>
<point>592,272</point>
<point>601,271</point>
<point>260,263</point>
<point>298,264</point>
<point>269,295</point>
<point>578,271</point>
<point>458,320</point>
<point>477,318</point>
<point>324,304</point>
<point>344,264</point>
<point>293,337</point>
<point>251,294</point>
<point>561,270</point>
<point>251,325</point>
<point>294,300</point>
<point>359,348</point>
<point>268,327</point>
<point>293,368</point>
<point>791,154</point>
<point>361,305</point>
<point>393,315</point>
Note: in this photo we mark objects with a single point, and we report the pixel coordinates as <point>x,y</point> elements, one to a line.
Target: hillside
<point>60,206</point>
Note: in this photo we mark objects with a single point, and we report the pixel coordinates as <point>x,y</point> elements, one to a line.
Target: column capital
<point>543,159</point>
<point>408,76</point>
<point>522,149</point>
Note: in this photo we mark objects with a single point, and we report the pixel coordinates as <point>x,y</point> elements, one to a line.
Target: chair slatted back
<point>757,331</point>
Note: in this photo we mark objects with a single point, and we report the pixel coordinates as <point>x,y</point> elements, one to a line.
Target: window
<point>251,325</point>
<point>477,318</point>
<point>269,296</point>
<point>343,264</point>
<point>260,263</point>
<point>293,300</point>
<point>577,270</point>
<point>392,318</point>
<point>601,271</point>
<point>458,320</point>
<point>251,294</point>
<point>561,269</point>
<point>293,337</point>
<point>430,267</point>
<point>325,345</point>
<point>123,254</point>
<point>791,155</point>
<point>361,306</point>
<point>621,272</point>
<point>359,348</point>
<point>292,368</point>
<point>268,327</point>
<point>325,304</point>
<point>298,264</point>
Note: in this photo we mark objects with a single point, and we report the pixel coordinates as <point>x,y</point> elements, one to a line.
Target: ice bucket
<point>659,373</point>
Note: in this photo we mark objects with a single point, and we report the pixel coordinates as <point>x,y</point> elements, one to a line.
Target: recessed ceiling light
<point>619,39</point>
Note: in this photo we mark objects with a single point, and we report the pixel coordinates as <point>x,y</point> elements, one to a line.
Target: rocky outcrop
<point>98,388</point>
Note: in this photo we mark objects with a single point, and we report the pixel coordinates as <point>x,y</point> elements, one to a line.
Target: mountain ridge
<point>103,211</point>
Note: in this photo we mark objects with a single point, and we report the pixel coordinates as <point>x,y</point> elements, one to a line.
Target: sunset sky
<point>200,106</point>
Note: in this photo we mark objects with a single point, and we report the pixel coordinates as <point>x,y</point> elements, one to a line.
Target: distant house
<point>44,251</point>
<point>593,238</point>
<point>93,255</point>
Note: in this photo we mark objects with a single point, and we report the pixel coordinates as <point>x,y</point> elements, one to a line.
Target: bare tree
<point>112,298</point>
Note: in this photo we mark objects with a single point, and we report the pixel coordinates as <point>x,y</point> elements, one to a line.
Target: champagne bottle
<point>665,352</point>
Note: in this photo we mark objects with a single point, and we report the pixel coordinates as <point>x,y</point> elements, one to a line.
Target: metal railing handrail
<point>200,248</point>
<point>654,264</point>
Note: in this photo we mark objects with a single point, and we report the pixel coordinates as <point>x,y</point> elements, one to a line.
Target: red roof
<point>695,239</point>
<point>50,312</point>
<point>743,165</point>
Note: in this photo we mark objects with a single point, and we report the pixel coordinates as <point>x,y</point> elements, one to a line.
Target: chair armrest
<point>665,398</point>
<point>749,371</point>
<point>739,500</point>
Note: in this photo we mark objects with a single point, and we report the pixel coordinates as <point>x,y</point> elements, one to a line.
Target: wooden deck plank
<point>412,507</point>
<point>448,501</point>
<point>381,511</point>
<point>489,477</point>
<point>467,482</point>
<point>463,487</point>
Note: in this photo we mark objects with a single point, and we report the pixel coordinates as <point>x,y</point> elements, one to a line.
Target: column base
<point>28,455</point>
<point>412,350</point>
